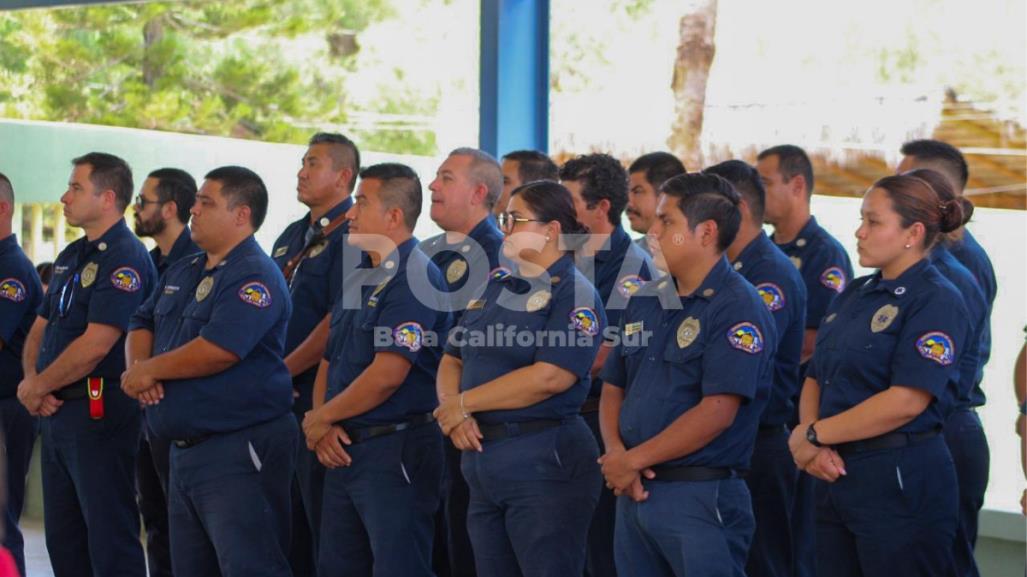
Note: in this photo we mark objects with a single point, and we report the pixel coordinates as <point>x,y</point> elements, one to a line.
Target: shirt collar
<point>900,285</point>
<point>246,247</point>
<point>8,243</point>
<point>806,233</point>
<point>752,251</point>
<point>618,241</point>
<point>395,260</point>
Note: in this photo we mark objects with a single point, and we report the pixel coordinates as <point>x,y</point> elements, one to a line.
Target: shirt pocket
<point>360,348</point>
<point>683,373</point>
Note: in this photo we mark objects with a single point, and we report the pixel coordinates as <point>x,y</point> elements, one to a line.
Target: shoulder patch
<point>408,335</point>
<point>255,294</point>
<point>772,296</point>
<point>745,337</point>
<point>12,289</point>
<point>585,320</point>
<point>629,285</point>
<point>833,278</point>
<point>937,346</point>
<point>126,279</point>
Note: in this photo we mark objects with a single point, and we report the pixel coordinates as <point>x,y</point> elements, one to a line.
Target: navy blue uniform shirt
<point>240,305</point>
<point>971,368</point>
<point>183,247</point>
<point>20,295</point>
<point>721,340</point>
<point>554,318</point>
<point>618,272</point>
<point>782,290</point>
<point>971,255</point>
<point>466,265</point>
<point>316,282</point>
<point>394,317</point>
<point>824,266</point>
<point>102,281</point>
<point>908,331</point>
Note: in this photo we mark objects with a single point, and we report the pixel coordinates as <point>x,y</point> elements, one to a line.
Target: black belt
<point>505,430</point>
<point>771,430</point>
<point>366,433</point>
<point>190,442</point>
<point>684,473</point>
<point>591,405</point>
<point>79,390</point>
<point>885,441</point>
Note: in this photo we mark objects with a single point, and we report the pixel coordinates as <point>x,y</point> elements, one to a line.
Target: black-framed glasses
<point>142,202</point>
<point>507,220</point>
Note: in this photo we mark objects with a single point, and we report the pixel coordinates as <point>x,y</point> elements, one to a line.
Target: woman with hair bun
<point>883,379</point>
<point>511,385</point>
<point>964,433</point>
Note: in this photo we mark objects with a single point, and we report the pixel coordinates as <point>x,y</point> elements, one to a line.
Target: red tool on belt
<point>95,397</point>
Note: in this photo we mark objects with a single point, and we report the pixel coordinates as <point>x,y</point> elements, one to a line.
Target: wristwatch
<point>811,436</point>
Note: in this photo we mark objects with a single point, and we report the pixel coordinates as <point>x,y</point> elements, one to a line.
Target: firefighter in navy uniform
<point>73,360</point>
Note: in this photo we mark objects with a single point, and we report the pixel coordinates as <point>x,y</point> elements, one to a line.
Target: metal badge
<point>102,246</point>
<point>800,243</point>
<point>89,274</point>
<point>796,261</point>
<point>883,318</point>
<point>204,288</point>
<point>455,271</point>
<point>738,265</point>
<point>538,301</point>
<point>687,331</point>
<point>708,292</point>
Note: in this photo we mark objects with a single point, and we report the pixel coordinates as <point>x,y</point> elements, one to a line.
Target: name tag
<point>632,328</point>
<point>475,304</point>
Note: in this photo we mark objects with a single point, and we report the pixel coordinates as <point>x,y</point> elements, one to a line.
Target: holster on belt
<point>95,390</point>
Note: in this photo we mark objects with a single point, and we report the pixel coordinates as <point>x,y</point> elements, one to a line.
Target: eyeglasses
<point>507,221</point>
<point>142,202</point>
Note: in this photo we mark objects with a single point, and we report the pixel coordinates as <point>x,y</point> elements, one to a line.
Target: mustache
<point>630,211</point>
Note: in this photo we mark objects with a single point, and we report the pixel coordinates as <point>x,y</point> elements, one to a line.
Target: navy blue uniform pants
<point>452,555</point>
<point>532,500</point>
<point>378,515</point>
<point>965,438</point>
<point>307,493</point>
<point>771,480</point>
<point>229,502</point>
<point>152,485</point>
<point>599,560</point>
<point>894,513</point>
<point>89,508</point>
<point>685,529</point>
<point>18,430</point>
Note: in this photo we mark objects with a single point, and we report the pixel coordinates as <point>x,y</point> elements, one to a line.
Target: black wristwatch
<point>811,436</point>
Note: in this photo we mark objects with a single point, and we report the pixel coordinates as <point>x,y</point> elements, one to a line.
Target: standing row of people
<point>528,393</point>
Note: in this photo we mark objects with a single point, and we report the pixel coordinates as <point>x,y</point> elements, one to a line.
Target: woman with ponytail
<point>511,385</point>
<point>883,379</point>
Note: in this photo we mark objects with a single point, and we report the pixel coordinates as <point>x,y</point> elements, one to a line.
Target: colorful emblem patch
<point>126,279</point>
<point>409,336</point>
<point>255,294</point>
<point>12,289</point>
<point>585,320</point>
<point>629,285</point>
<point>772,296</point>
<point>833,278</point>
<point>746,337</point>
<point>937,346</point>
<point>499,273</point>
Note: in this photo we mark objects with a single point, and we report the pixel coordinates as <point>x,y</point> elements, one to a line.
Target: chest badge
<point>688,330</point>
<point>317,249</point>
<point>538,301</point>
<point>883,318</point>
<point>280,251</point>
<point>455,271</point>
<point>89,274</point>
<point>203,289</point>
<point>796,261</point>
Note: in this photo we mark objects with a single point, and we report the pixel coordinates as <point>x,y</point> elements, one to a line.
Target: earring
<point>909,246</point>
<point>548,238</point>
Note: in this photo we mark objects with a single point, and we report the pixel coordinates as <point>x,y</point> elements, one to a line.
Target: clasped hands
<point>822,462</point>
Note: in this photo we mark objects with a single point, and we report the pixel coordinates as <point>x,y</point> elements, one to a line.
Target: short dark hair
<point>946,157</point>
<point>6,189</point>
<point>45,272</point>
<point>109,172</point>
<point>344,151</point>
<point>533,165</point>
<point>401,188</point>
<point>658,167</point>
<point>174,184</point>
<point>551,201</point>
<point>792,161</point>
<point>602,176</point>
<point>484,169</point>
<point>746,181</point>
<point>703,197</point>
<point>242,186</point>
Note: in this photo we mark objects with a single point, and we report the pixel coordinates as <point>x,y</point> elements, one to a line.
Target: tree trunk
<point>153,32</point>
<point>695,53</point>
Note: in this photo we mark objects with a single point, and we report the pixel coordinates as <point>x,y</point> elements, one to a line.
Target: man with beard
<point>161,212</point>
<point>645,177</point>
